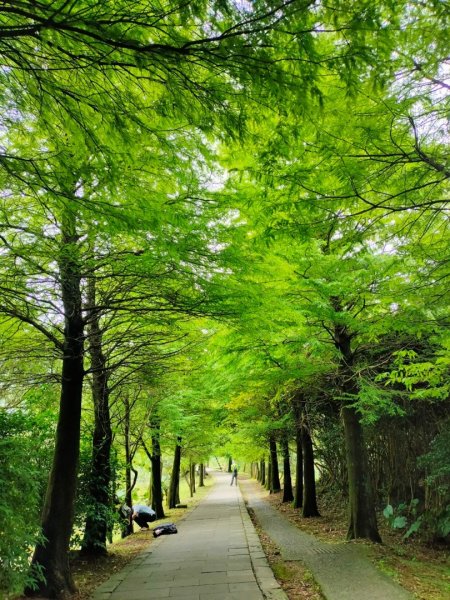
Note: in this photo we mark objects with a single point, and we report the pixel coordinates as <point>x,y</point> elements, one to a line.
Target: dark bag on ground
<point>166,529</point>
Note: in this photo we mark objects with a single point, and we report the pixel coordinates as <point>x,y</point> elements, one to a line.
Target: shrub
<point>22,480</point>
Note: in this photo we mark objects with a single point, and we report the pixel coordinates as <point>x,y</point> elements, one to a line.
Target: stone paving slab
<point>342,570</point>
<point>216,555</point>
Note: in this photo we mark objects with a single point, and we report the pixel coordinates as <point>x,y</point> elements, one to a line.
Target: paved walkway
<point>216,555</point>
<point>342,570</point>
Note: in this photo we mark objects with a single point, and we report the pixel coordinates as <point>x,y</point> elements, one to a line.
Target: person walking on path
<point>234,475</point>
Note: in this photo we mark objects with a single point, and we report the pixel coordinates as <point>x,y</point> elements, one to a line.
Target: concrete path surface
<point>342,570</point>
<point>216,555</point>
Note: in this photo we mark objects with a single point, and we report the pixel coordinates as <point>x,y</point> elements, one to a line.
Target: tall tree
<point>58,511</point>
<point>97,521</point>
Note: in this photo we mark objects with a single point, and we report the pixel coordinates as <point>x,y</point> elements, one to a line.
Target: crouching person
<point>143,515</point>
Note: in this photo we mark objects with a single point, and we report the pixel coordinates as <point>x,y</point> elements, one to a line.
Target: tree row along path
<point>216,555</point>
<point>342,570</point>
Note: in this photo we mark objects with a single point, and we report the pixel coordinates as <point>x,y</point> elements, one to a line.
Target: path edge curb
<point>265,578</point>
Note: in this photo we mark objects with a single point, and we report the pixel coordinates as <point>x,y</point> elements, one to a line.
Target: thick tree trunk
<point>275,485</point>
<point>363,522</point>
<point>157,497</point>
<point>128,528</point>
<point>298,493</point>
<point>51,555</point>
<point>288,495</point>
<point>309,492</point>
<point>150,483</point>
<point>174,497</point>
<point>201,483</point>
<point>98,518</point>
<point>192,479</point>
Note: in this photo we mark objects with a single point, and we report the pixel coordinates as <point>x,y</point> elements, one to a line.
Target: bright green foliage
<point>24,448</point>
<point>247,182</point>
<point>424,380</point>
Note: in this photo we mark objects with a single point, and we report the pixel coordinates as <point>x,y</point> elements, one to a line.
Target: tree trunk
<point>174,497</point>
<point>51,555</point>
<point>288,496</point>
<point>157,496</point>
<point>230,464</point>
<point>309,493</point>
<point>128,529</point>
<point>97,522</point>
<point>275,485</point>
<point>192,479</point>
<point>363,522</point>
<point>201,483</point>
<point>298,495</point>
<point>150,483</point>
<point>269,475</point>
<point>263,472</point>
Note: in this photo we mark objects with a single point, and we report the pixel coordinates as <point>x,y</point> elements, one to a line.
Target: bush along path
<point>342,570</point>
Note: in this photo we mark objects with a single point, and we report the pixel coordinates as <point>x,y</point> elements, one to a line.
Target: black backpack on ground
<point>166,529</point>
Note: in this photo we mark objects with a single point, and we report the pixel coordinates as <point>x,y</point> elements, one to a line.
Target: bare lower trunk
<point>51,556</point>
<point>309,492</point>
<point>275,485</point>
<point>128,527</point>
<point>363,523</point>
<point>201,483</point>
<point>288,496</point>
<point>157,499</point>
<point>98,518</point>
<point>298,493</point>
<point>192,479</point>
<point>174,498</point>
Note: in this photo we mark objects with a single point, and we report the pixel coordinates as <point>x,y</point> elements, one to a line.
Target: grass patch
<point>296,580</point>
<point>424,571</point>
